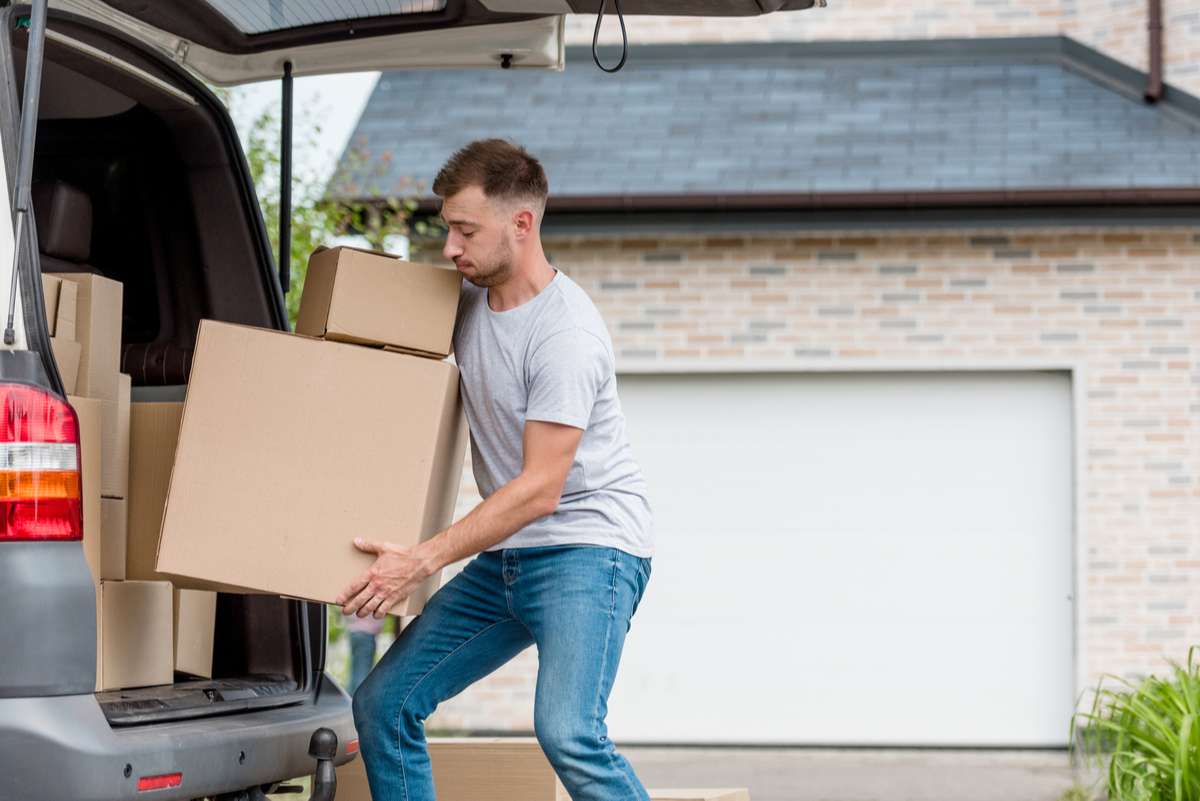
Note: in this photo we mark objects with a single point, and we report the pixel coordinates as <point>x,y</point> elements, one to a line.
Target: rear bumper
<point>62,747</point>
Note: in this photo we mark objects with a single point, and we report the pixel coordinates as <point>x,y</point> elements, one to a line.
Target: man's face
<point>480,240</point>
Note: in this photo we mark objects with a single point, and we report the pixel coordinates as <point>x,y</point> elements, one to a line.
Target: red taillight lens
<point>159,782</point>
<point>40,495</point>
<point>352,747</point>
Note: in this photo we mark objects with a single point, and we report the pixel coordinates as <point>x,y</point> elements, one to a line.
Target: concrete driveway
<point>803,774</point>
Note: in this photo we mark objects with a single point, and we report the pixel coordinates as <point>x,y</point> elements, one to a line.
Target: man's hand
<point>396,573</point>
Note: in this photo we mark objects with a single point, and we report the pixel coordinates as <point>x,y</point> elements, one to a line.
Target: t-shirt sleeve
<point>565,375</point>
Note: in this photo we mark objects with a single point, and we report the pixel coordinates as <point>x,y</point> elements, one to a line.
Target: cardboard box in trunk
<point>371,298</point>
<point>474,769</point>
<point>114,520</point>
<point>61,299</point>
<point>98,330</point>
<point>88,412</point>
<point>195,622</point>
<point>133,634</point>
<point>50,287</point>
<point>114,470</point>
<point>66,354</point>
<point>153,432</point>
<point>68,311</point>
<point>290,447</point>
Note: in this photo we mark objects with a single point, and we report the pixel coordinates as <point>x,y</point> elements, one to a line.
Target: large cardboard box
<point>98,330</point>
<point>88,412</point>
<point>67,353</point>
<point>290,447</point>
<point>474,769</point>
<point>133,629</point>
<point>195,623</point>
<point>714,794</point>
<point>114,471</point>
<point>153,432</point>
<point>114,522</point>
<point>371,298</point>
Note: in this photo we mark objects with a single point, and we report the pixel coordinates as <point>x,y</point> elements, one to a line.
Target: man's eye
<point>468,235</point>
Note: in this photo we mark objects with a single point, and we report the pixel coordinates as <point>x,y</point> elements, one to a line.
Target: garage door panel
<point>885,552</point>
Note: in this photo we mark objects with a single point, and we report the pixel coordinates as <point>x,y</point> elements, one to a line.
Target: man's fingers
<point>368,546</point>
<point>359,605</point>
<point>353,589</point>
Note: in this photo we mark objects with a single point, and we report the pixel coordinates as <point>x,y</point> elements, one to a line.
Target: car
<point>126,165</point>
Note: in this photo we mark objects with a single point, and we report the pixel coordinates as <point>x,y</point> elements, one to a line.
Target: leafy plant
<point>1150,734</point>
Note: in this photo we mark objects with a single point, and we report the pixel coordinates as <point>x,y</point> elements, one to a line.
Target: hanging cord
<point>624,37</point>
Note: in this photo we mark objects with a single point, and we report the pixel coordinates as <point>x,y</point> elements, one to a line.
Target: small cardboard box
<point>88,412</point>
<point>153,432</point>
<point>133,629</point>
<point>68,306</point>
<point>114,472</point>
<point>371,298</point>
<point>195,623</point>
<point>98,329</point>
<point>114,521</point>
<point>50,287</point>
<point>475,768</point>
<point>67,353</point>
<point>290,447</point>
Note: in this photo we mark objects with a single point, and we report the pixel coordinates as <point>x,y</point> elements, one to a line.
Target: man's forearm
<point>509,509</point>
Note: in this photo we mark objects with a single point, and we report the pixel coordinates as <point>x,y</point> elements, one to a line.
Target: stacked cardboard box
<point>133,618</point>
<point>500,769</point>
<point>153,433</point>
<point>292,445</point>
<point>61,299</point>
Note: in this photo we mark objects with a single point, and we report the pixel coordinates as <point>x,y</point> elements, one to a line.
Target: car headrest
<point>64,221</point>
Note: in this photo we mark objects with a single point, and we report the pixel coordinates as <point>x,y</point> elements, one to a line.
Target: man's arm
<point>549,450</point>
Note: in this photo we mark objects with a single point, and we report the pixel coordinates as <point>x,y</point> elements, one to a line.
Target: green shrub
<point>1150,734</point>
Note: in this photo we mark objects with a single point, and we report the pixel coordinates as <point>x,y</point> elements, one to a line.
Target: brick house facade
<point>1122,305</point>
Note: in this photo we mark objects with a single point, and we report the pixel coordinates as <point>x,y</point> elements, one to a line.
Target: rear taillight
<point>39,466</point>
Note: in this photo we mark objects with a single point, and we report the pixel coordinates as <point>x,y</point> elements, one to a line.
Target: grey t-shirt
<point>551,359</point>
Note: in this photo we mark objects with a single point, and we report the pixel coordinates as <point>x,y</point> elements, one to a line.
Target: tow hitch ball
<point>322,747</point>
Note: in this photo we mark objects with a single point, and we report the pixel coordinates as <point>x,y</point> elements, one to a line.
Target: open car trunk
<point>138,176</point>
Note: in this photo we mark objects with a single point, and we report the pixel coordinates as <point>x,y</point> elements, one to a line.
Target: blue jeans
<point>362,656</point>
<point>573,602</point>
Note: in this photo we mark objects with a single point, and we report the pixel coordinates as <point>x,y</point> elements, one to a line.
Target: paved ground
<point>802,774</point>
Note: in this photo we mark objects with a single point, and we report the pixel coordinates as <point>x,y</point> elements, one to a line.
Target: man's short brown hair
<point>503,171</point>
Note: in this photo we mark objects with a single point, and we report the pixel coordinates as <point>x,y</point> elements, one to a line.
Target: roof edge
<point>799,201</point>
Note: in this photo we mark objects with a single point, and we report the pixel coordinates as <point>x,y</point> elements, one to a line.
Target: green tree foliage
<point>375,212</point>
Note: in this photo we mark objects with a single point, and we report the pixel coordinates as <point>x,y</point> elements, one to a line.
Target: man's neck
<point>526,281</point>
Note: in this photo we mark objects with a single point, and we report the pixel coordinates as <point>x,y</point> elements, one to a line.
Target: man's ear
<point>524,222</point>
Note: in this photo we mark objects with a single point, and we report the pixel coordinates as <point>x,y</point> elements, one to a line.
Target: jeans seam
<point>612,614</point>
<point>427,674</point>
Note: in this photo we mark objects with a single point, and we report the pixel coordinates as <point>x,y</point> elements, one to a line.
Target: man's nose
<point>451,250</point>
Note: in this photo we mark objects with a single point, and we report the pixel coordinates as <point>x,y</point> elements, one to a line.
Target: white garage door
<point>869,559</point>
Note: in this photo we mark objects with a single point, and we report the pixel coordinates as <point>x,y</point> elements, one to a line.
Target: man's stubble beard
<point>497,270</point>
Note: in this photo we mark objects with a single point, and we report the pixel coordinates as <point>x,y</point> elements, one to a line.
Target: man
<point>564,531</point>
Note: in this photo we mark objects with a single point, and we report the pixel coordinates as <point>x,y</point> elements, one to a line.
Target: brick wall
<point>1125,304</point>
<point>1115,27</point>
